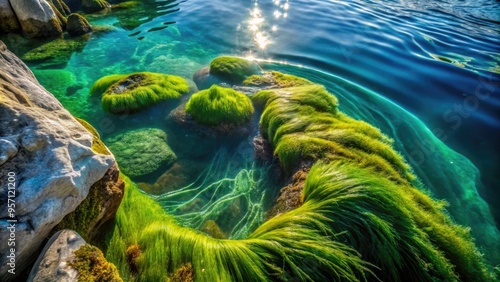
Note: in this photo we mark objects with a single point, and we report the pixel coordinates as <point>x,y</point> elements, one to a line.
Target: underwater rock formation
<point>37,18</point>
<point>142,151</point>
<point>78,25</point>
<point>136,91</point>
<point>50,154</point>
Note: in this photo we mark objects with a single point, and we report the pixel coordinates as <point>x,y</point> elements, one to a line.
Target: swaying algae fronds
<point>360,220</point>
<point>440,170</point>
<point>217,191</point>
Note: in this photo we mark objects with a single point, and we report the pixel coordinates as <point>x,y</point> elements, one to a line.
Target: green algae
<point>142,151</point>
<point>233,69</point>
<point>136,91</point>
<point>219,105</point>
<point>276,79</point>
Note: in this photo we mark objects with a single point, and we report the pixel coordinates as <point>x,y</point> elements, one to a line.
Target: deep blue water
<point>426,72</point>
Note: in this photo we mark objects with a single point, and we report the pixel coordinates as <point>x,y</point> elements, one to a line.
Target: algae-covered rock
<point>133,92</point>
<point>275,79</point>
<point>8,19</point>
<point>233,69</point>
<point>220,105</point>
<point>142,151</point>
<point>78,25</point>
<point>55,80</point>
<point>37,18</point>
<point>55,53</point>
<point>92,6</point>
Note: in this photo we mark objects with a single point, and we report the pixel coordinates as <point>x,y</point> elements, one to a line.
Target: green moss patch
<point>133,92</point>
<point>142,151</point>
<point>97,144</point>
<point>219,105</point>
<point>233,69</point>
<point>276,79</point>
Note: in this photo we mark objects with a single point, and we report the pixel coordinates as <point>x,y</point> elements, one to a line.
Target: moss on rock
<point>276,79</point>
<point>55,52</point>
<point>97,144</point>
<point>219,105</point>
<point>136,91</point>
<point>233,69</point>
<point>78,25</point>
<point>92,6</point>
<point>142,151</point>
<point>93,266</point>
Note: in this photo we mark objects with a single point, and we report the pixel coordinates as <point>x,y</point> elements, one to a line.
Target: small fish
<point>165,23</point>
<point>140,38</point>
<point>135,33</point>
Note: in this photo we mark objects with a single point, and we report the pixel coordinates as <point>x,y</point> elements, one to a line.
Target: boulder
<point>51,156</point>
<point>92,6</point>
<point>78,25</point>
<point>37,18</point>
<point>8,20</point>
<point>52,263</point>
<point>68,258</point>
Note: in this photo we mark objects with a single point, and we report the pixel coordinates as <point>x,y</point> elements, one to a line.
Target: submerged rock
<point>78,25</point>
<point>50,154</point>
<point>142,151</point>
<point>55,53</point>
<point>37,18</point>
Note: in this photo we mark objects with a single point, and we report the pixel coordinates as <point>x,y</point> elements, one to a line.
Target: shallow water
<point>411,68</point>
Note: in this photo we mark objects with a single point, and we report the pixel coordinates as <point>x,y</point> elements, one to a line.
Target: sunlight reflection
<point>263,27</point>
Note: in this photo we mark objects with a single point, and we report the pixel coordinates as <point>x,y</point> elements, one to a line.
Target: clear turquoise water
<point>425,72</point>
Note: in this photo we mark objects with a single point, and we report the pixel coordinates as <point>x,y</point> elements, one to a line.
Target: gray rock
<point>8,20</point>
<point>78,25</point>
<point>50,154</point>
<point>52,263</point>
<point>37,18</point>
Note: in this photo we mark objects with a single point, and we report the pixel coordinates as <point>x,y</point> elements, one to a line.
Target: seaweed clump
<point>220,105</point>
<point>136,91</point>
<point>142,151</point>
<point>233,69</point>
<point>93,266</point>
